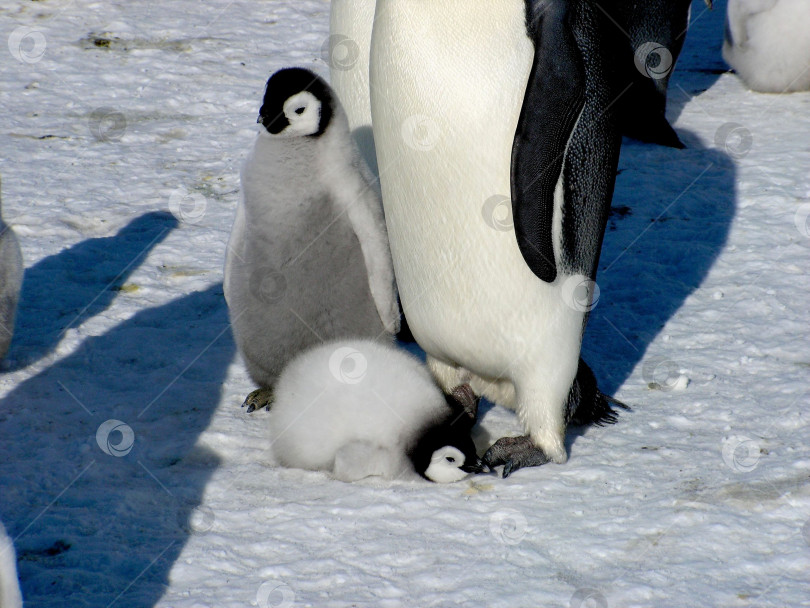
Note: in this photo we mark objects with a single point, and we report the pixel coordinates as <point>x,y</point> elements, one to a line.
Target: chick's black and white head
<point>446,452</point>
<point>297,103</point>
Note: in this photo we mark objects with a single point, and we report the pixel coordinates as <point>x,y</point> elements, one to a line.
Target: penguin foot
<point>256,400</point>
<point>514,453</point>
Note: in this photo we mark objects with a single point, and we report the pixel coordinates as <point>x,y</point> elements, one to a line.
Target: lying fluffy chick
<point>360,408</point>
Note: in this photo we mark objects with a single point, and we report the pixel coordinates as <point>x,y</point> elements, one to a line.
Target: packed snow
<point>129,475</point>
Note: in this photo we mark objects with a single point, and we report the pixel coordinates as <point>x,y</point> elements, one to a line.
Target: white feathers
<point>11,275</point>
<point>10,596</point>
<point>768,45</point>
<point>353,408</point>
<point>444,465</point>
<point>303,111</point>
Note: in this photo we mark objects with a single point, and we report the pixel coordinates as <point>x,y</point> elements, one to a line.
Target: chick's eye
<point>450,459</point>
<point>300,110</point>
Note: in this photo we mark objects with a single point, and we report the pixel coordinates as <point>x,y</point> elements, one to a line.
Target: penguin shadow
<point>101,479</point>
<point>671,215</point>
<point>364,138</point>
<point>65,289</point>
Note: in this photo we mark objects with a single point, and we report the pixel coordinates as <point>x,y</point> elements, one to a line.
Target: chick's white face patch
<point>303,112</point>
<point>445,465</point>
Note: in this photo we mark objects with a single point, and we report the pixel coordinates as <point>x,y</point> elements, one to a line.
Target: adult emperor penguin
<point>11,275</point>
<point>648,37</point>
<point>308,256</point>
<point>475,104</point>
<point>767,44</point>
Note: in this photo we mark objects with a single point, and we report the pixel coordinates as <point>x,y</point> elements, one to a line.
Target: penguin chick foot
<point>256,400</point>
<point>514,453</point>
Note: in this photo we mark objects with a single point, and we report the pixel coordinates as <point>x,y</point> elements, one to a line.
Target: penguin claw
<point>256,400</point>
<point>514,453</point>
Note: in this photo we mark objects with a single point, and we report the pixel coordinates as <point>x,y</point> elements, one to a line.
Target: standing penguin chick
<point>360,408</point>
<point>767,44</point>
<point>11,274</point>
<point>308,256</point>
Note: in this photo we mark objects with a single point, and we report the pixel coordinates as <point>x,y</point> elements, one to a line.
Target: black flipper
<point>566,128</point>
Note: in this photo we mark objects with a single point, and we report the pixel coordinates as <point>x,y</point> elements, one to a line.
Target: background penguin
<point>359,408</point>
<point>11,275</point>
<point>518,99</point>
<point>308,256</point>
<point>649,36</point>
<point>768,45</point>
<point>350,23</point>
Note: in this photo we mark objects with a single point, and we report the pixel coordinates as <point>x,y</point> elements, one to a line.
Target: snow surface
<point>123,128</point>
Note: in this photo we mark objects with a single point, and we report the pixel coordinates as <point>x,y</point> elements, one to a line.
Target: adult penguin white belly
<point>470,104</point>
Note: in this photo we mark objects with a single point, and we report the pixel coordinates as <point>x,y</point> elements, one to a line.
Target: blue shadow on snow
<point>94,529</point>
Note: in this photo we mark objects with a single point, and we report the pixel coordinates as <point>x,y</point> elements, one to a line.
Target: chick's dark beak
<point>474,467</point>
